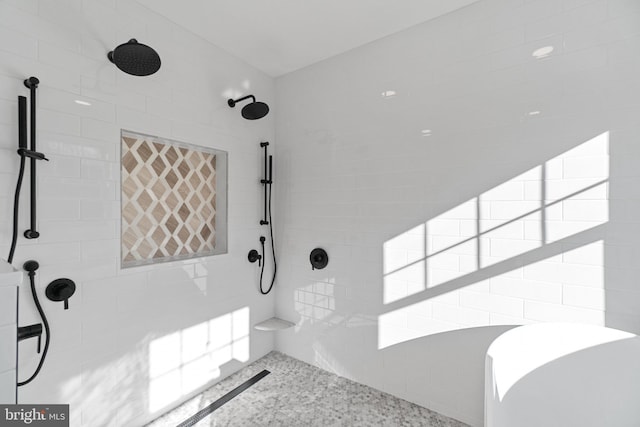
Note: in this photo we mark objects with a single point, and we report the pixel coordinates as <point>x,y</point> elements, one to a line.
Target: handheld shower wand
<point>24,153</point>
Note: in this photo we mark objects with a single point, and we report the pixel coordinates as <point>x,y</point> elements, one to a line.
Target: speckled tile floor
<point>296,394</point>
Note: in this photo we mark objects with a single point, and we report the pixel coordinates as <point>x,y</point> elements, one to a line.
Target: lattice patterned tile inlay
<point>168,201</point>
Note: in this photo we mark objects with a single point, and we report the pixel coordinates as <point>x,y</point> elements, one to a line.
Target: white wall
<point>460,184</point>
<point>137,341</point>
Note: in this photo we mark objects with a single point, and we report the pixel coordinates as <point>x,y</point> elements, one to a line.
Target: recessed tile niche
<point>174,200</point>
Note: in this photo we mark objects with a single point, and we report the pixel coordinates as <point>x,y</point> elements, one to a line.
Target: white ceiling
<point>280,36</point>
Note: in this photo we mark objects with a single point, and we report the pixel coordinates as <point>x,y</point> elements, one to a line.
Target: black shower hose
<point>32,274</point>
<point>273,251</point>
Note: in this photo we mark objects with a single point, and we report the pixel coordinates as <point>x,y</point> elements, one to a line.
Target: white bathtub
<point>564,375</point>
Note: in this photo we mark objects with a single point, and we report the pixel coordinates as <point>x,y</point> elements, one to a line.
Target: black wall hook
<point>319,259</point>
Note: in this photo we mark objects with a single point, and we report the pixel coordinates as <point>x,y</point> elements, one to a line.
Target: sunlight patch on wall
<point>315,302</point>
<point>183,361</point>
<point>528,250</point>
<point>404,264</point>
<point>111,376</point>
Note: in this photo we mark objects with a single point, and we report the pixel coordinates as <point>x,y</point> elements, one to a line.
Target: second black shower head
<point>252,111</point>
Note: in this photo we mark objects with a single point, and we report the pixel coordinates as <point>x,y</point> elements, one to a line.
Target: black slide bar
<point>32,84</point>
<point>266,182</point>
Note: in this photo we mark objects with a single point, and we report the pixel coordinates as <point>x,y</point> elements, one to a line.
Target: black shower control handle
<point>318,258</point>
<point>254,256</point>
<point>61,290</point>
<point>30,331</point>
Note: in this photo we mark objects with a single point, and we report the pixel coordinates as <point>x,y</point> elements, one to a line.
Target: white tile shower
<point>470,172</point>
<point>99,360</point>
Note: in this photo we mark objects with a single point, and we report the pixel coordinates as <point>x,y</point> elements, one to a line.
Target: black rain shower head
<point>135,58</point>
<point>254,110</point>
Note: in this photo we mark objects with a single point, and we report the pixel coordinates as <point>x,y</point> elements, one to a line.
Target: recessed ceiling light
<point>85,103</point>
<point>388,93</point>
<point>426,132</point>
<point>543,52</point>
<point>534,113</point>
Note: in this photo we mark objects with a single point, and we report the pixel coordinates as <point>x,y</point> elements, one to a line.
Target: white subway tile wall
<point>497,186</point>
<point>101,356</point>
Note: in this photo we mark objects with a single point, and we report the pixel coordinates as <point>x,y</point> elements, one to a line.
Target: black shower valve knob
<point>318,258</point>
<point>61,290</point>
<point>254,256</point>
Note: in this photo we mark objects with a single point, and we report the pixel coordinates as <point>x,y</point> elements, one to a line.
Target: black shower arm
<point>232,102</point>
<point>246,97</point>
